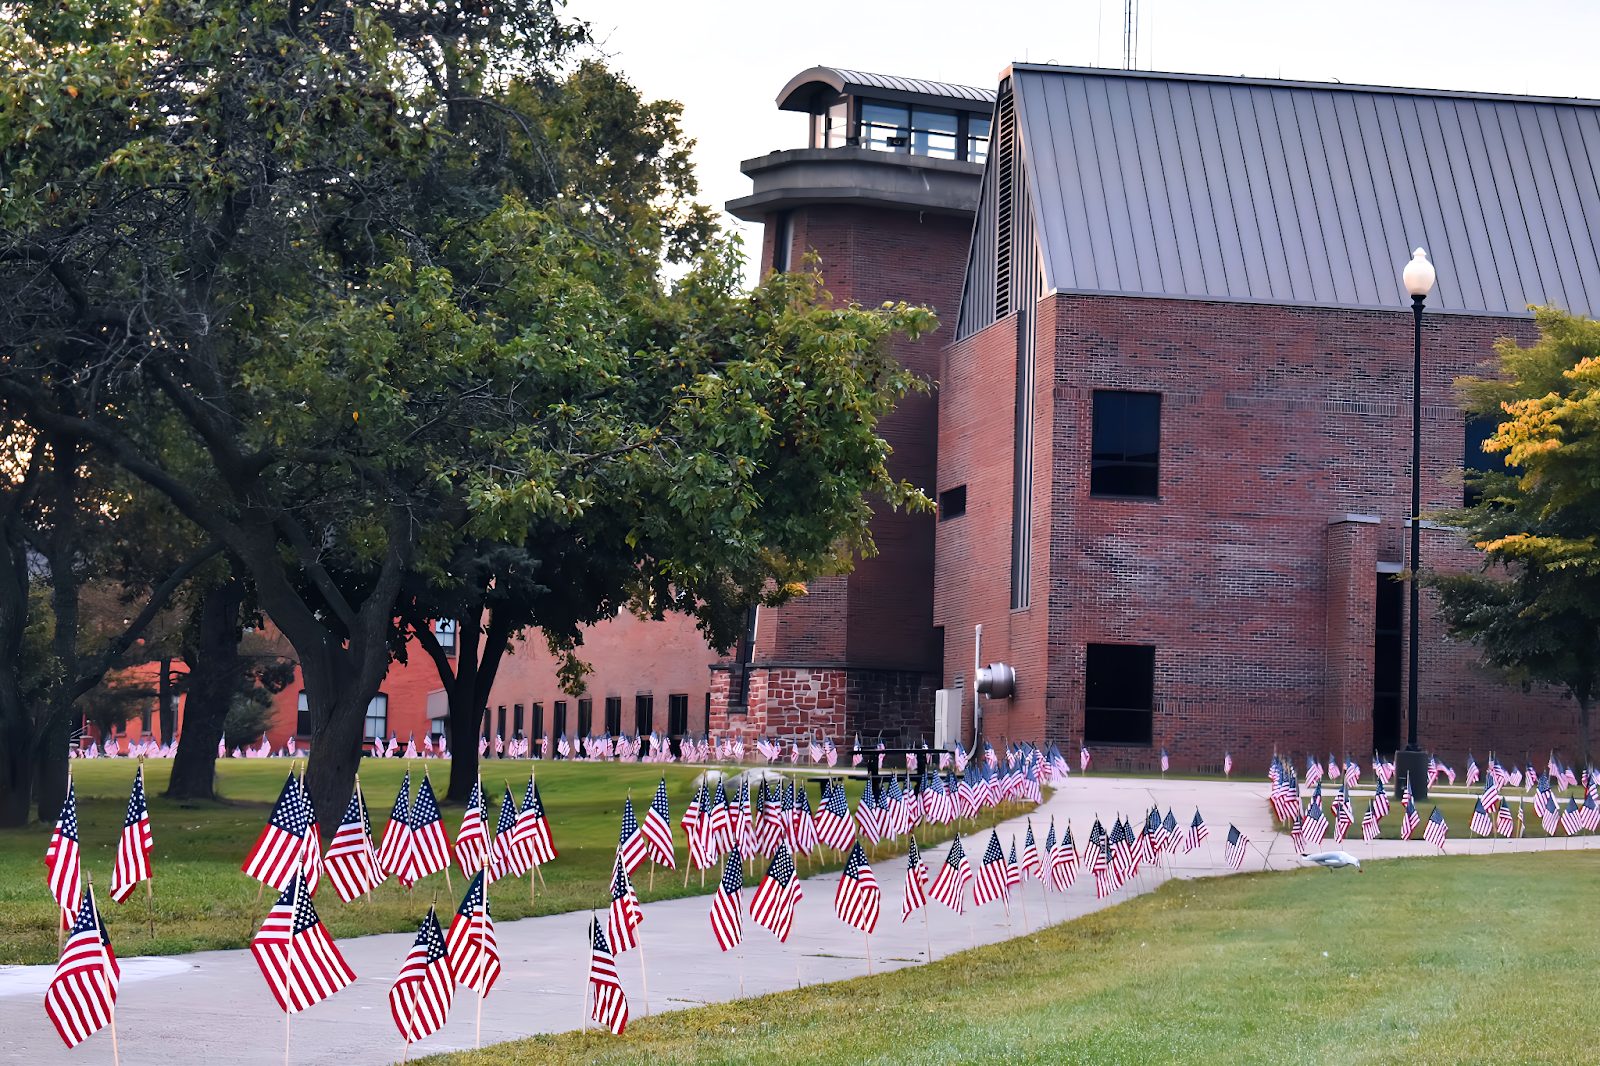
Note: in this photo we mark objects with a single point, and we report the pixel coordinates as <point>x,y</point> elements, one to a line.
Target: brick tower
<point>884,194</point>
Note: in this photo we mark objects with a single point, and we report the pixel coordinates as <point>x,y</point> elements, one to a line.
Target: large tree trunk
<point>164,702</point>
<point>214,670</point>
<point>466,716</point>
<point>16,719</point>
<point>55,734</point>
<point>338,707</point>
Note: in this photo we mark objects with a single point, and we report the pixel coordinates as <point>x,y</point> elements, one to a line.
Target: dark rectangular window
<point>1475,462</point>
<point>559,714</point>
<point>1388,647</point>
<point>585,718</point>
<point>644,714</point>
<point>708,712</point>
<point>302,718</point>
<point>953,503</point>
<point>1119,693</point>
<point>538,721</point>
<point>500,729</point>
<point>516,720</point>
<point>1126,451</point>
<point>614,715</point>
<point>488,724</point>
<point>678,714</point>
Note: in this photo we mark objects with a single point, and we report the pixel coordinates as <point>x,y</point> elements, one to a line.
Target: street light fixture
<point>1411,765</point>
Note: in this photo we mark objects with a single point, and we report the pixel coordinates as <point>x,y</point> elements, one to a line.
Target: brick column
<point>1352,564</point>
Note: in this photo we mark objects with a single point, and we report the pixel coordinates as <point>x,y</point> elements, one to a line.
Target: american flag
<point>421,996</point>
<point>607,1006</point>
<point>1590,813</point>
<point>772,907</point>
<point>1369,822</point>
<point>1013,871</point>
<point>1169,831</point>
<point>805,824</point>
<point>1491,795</point>
<point>1436,829</point>
<point>1227,764</point>
<point>1105,870</point>
<point>506,858</point>
<point>83,993</point>
<point>1472,770</point>
<point>1196,833</point>
<point>1408,823</point>
<point>1237,845</point>
<point>991,882</point>
<point>533,830</point>
<point>950,886</point>
<point>1285,798</point>
<point>835,827</point>
<point>725,920</point>
<point>134,845</point>
<point>857,899</point>
<point>1063,858</point>
<point>351,862</point>
<point>657,828</point>
<point>474,952</point>
<point>1503,820</point>
<point>625,915</point>
<point>867,813</point>
<point>1344,816</point>
<point>632,847</point>
<point>1313,771</point>
<point>1380,800</point>
<point>297,957</point>
<point>472,842</point>
<point>1315,826</point>
<point>1030,855</point>
<point>61,858</point>
<point>430,845</point>
<point>395,854</point>
<point>1481,824</point>
<point>916,893</point>
<point>1083,758</point>
<point>1096,843</point>
<point>1571,818</point>
<point>719,828</point>
<point>279,851</point>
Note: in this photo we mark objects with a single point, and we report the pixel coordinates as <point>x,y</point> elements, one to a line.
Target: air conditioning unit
<point>946,717</point>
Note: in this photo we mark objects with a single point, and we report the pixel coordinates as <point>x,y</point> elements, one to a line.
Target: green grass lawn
<point>203,901</point>
<point>1468,959</point>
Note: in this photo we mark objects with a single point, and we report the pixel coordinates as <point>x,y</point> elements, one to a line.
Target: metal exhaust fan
<point>998,681</point>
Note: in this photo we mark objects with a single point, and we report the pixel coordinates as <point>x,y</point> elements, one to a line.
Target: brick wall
<point>1274,420</point>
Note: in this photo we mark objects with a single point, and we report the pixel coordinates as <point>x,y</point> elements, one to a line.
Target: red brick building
<point>1174,417</point>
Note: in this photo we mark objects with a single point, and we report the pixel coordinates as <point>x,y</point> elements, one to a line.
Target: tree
<point>1534,608</point>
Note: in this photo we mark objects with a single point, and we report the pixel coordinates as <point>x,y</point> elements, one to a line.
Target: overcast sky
<point>726,61</point>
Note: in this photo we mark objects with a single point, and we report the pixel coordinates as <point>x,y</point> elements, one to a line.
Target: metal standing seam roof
<point>853,81</point>
<point>1309,193</point>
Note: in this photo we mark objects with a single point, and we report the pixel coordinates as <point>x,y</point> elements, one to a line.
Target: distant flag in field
<point>1572,817</point>
<point>1472,770</point>
<point>632,847</point>
<point>1408,823</point>
<point>950,886</point>
<point>607,1005</point>
<point>1522,828</point>
<point>1344,817</point>
<point>1436,829</point>
<point>351,862</point>
<point>506,857</point>
<point>1165,762</point>
<point>1227,764</point>
<point>472,843</point>
<point>657,828</point>
<point>474,952</point>
<point>624,915</point>
<point>1380,802</point>
<point>82,995</point>
<point>279,851</point>
<point>1369,821</point>
<point>857,899</point>
<point>1196,833</point>
<point>1083,758</point>
<point>420,998</point>
<point>134,845</point>
<point>297,957</point>
<point>772,907</point>
<point>1503,820</point>
<point>726,923</point>
<point>533,829</point>
<point>1237,845</point>
<point>395,854</point>
<point>431,845</point>
<point>916,888</point>
<point>1481,824</point>
<point>62,864</point>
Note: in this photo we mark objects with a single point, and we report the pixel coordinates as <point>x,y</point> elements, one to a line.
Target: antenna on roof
<point>1130,35</point>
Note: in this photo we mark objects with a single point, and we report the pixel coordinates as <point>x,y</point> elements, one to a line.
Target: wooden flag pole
<point>105,987</point>
<point>483,955</point>
<point>150,903</point>
<point>927,929</point>
<point>644,980</point>
<point>868,938</point>
<point>1022,894</point>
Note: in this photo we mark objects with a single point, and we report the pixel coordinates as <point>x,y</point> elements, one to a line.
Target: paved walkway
<point>213,1006</point>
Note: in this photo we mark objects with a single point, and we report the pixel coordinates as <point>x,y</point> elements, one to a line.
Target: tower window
<point>1126,451</point>
<point>953,503</point>
<point>1119,693</point>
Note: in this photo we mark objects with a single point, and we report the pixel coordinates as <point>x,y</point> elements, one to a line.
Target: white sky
<point>725,61</point>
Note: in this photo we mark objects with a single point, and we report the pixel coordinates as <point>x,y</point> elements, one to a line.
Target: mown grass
<point>202,900</point>
<point>1468,959</point>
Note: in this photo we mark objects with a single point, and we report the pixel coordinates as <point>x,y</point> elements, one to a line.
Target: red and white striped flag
<point>657,828</point>
<point>134,845</point>
<point>772,907</point>
<point>1063,857</point>
<point>395,856</point>
<point>1436,830</point>
<point>430,844</point>
<point>351,862</point>
<point>83,993</point>
<point>533,829</point>
<point>1238,844</point>
<point>625,915</point>
<point>950,886</point>
<point>421,996</point>
<point>474,953</point>
<point>916,891</point>
<point>1030,855</point>
<point>297,957</point>
<point>279,852</point>
<point>857,899</point>
<point>607,1005</point>
<point>506,859</point>
<point>472,841</point>
<point>61,859</point>
<point>725,920</point>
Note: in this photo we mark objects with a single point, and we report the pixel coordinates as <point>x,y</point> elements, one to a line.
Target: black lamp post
<point>1412,763</point>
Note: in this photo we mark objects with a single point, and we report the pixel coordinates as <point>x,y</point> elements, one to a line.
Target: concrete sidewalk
<point>214,1006</point>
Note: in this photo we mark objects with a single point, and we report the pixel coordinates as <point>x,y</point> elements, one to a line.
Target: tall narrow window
<point>1475,462</point>
<point>952,503</point>
<point>516,720</point>
<point>500,722</point>
<point>614,715</point>
<point>585,718</point>
<point>1126,451</point>
<point>678,714</point>
<point>1119,694</point>
<point>558,712</point>
<point>1388,650</point>
<point>783,242</point>
<point>644,713</point>
<point>377,726</point>
<point>538,720</point>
